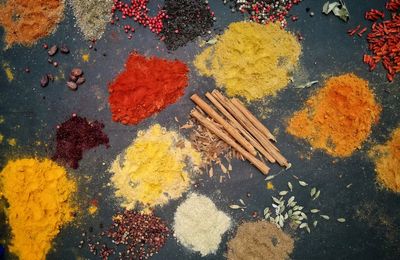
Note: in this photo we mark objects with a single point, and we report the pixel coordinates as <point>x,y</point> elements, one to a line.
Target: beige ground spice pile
<point>259,241</point>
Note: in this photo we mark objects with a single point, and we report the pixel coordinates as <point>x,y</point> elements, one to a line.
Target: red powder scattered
<point>75,136</point>
<point>146,86</point>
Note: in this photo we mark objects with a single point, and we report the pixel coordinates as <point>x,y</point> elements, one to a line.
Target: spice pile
<point>339,117</point>
<point>251,60</point>
<point>75,136</point>
<point>199,225</point>
<point>260,240</point>
<point>39,196</point>
<point>92,17</point>
<point>185,20</point>
<point>155,168</point>
<point>138,11</point>
<point>145,87</point>
<point>383,40</point>
<point>26,21</point>
<point>387,162</point>
<point>139,235</point>
<point>264,11</point>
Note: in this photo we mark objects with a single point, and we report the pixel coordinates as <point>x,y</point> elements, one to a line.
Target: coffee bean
<point>53,50</point>
<point>80,81</point>
<point>44,81</point>
<point>72,85</point>
<point>76,72</point>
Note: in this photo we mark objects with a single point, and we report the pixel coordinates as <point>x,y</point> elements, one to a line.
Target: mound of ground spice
<point>39,195</point>
<point>26,21</point>
<point>185,20</point>
<point>155,168</point>
<point>339,117</point>
<point>75,136</point>
<point>134,235</point>
<point>145,87</point>
<point>258,241</point>
<point>199,225</point>
<point>387,162</point>
<point>92,16</point>
<point>251,60</point>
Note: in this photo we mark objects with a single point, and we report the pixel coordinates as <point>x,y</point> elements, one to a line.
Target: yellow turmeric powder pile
<point>39,194</point>
<point>339,117</point>
<point>387,164</point>
<point>251,60</point>
<point>154,168</point>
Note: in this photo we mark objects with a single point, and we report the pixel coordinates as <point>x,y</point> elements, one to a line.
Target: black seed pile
<point>186,20</point>
<point>133,236</point>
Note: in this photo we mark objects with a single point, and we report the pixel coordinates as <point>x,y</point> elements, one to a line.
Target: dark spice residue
<point>185,20</point>
<point>75,136</point>
<point>134,236</point>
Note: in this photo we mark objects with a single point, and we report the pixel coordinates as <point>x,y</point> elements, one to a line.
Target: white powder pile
<point>199,225</point>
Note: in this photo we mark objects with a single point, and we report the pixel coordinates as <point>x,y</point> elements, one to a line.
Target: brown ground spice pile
<point>26,21</point>
<point>387,163</point>
<point>258,241</point>
<point>339,117</point>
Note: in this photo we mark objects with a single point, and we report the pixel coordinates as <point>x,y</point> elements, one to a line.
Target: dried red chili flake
<point>374,15</point>
<point>145,87</point>
<point>133,235</point>
<point>139,12</point>
<point>384,43</point>
<point>393,5</point>
<point>75,136</point>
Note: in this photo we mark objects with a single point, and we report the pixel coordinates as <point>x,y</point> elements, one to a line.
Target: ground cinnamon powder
<point>387,164</point>
<point>339,117</point>
<point>258,241</point>
<point>26,21</point>
<point>146,86</point>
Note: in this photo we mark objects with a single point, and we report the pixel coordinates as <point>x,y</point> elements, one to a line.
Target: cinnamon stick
<point>218,132</point>
<point>254,131</point>
<point>238,126</point>
<point>230,129</point>
<point>253,119</point>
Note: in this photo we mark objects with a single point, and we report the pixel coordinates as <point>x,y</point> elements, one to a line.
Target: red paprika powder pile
<point>145,87</point>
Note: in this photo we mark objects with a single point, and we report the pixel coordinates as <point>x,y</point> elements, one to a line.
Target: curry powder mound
<point>339,117</point>
<point>39,196</point>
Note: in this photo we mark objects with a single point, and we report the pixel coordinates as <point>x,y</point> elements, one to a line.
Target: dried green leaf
<point>314,210</point>
<point>307,85</point>
<point>313,191</point>
<point>303,225</point>
<point>283,193</point>
<point>317,195</point>
<point>324,217</point>
<point>315,223</point>
<point>235,206</point>
<point>303,183</point>
<point>289,184</point>
<point>341,220</point>
<point>269,177</point>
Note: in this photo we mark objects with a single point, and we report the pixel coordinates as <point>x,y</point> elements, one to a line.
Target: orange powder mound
<point>387,163</point>
<point>339,117</point>
<point>26,21</point>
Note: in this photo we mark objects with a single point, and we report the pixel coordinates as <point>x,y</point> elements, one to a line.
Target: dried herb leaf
<point>307,85</point>
<point>235,206</point>
<point>341,220</point>
<point>289,184</point>
<point>303,183</point>
<point>313,191</point>
<point>283,193</point>
<point>324,217</point>
<point>314,211</point>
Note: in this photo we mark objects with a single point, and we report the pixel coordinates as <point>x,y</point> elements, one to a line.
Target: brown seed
<point>76,72</point>
<point>80,81</point>
<point>72,85</point>
<point>44,81</point>
<point>64,49</point>
<point>53,50</point>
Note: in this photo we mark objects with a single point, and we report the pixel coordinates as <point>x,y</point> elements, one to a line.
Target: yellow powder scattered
<point>92,209</point>
<point>39,194</point>
<point>8,71</point>
<point>154,168</point>
<point>85,57</point>
<point>1,138</point>
<point>251,60</point>
<point>339,117</point>
<point>270,186</point>
<point>2,119</point>
<point>12,141</point>
<point>387,163</point>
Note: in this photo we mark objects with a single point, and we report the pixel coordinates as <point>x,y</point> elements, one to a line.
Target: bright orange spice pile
<point>339,117</point>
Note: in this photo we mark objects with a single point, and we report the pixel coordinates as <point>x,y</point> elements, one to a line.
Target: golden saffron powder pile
<point>387,162</point>
<point>39,196</point>
<point>251,60</point>
<point>26,21</point>
<point>154,169</point>
<point>339,117</point>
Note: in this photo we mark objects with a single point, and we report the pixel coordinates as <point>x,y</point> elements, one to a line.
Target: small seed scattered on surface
<point>53,50</point>
<point>341,220</point>
<point>44,81</point>
<point>76,72</point>
<point>72,85</point>
<point>64,49</point>
<point>80,81</point>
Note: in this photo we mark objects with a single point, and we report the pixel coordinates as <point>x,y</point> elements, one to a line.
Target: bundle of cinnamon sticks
<point>240,129</point>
